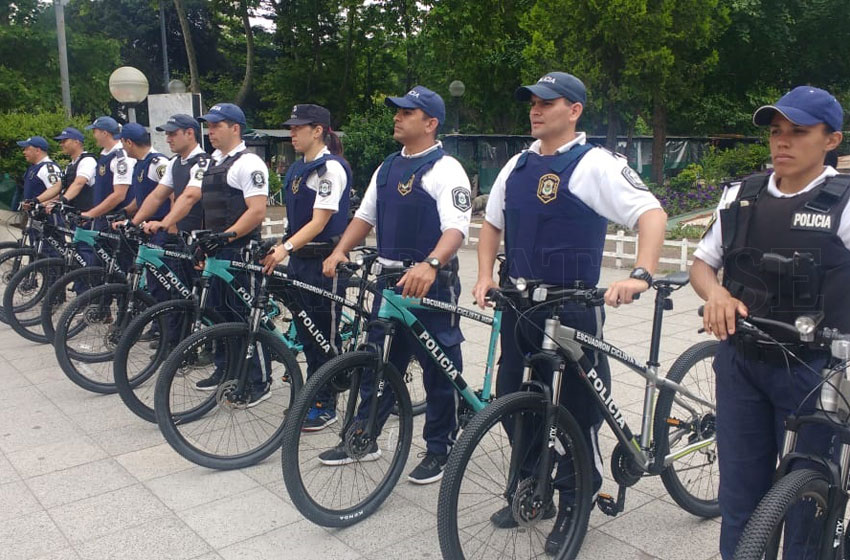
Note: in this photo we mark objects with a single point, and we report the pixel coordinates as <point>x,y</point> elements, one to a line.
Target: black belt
<point>751,349</point>
<point>315,251</point>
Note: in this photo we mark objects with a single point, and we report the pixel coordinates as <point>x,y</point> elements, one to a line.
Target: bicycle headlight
<point>359,260</point>
<point>521,284</point>
<point>805,325</point>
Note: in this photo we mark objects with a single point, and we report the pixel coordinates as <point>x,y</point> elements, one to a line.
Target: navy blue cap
<point>36,141</point>
<point>70,133</point>
<point>105,123</point>
<point>135,132</point>
<point>806,106</point>
<point>180,121</point>
<point>423,98</point>
<point>225,112</point>
<point>309,114</point>
<point>554,85</point>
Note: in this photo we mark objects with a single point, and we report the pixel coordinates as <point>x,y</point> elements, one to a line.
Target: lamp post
<point>456,89</point>
<point>128,86</point>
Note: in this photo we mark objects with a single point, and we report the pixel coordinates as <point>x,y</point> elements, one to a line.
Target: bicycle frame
<point>93,238</point>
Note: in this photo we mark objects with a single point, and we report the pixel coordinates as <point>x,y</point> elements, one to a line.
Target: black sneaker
<point>337,456</point>
<point>210,383</point>
<point>259,394</point>
<point>429,470</point>
<point>149,335</point>
<point>504,518</point>
<point>555,540</point>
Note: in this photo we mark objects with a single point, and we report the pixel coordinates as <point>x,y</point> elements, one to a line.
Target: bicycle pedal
<point>610,506</point>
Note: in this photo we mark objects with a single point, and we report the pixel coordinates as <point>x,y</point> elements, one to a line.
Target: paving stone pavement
<point>82,477</point>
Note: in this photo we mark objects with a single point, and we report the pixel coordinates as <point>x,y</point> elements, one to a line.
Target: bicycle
<point>525,446</point>
<point>816,495</point>
<point>376,440</point>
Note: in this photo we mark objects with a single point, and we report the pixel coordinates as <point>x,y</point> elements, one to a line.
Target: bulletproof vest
<point>223,204</point>
<point>807,268</point>
<point>83,200</point>
<point>299,198</point>
<point>33,186</point>
<point>408,225</point>
<point>180,175</point>
<point>551,235</point>
<point>104,179</point>
<point>142,185</point>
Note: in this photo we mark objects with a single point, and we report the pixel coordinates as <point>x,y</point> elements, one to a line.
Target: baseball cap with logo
<point>70,133</point>
<point>105,123</point>
<point>225,112</point>
<point>554,85</point>
<point>134,132</point>
<point>423,98</point>
<point>180,121</point>
<point>806,106</point>
<point>35,141</point>
<point>309,114</point>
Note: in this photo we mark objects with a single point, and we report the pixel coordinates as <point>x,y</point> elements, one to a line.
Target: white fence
<point>273,228</point>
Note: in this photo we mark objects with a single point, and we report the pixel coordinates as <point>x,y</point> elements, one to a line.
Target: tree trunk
<point>659,141</point>
<point>194,83</point>
<point>613,127</point>
<point>249,54</point>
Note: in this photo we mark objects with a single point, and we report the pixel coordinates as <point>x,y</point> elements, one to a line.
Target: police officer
<point>553,202</point>
<point>114,171</point>
<point>78,179</point>
<point>43,178</point>
<point>419,203</point>
<point>234,193</point>
<point>149,169</point>
<point>798,212</point>
<point>317,190</point>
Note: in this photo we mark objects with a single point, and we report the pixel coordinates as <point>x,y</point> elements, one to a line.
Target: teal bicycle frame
<point>90,237</point>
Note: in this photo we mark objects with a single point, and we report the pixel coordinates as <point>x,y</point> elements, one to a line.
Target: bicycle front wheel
<point>487,507</point>
<point>341,473</point>
<point>685,430</point>
<point>211,416</point>
<point>25,293</point>
<point>11,262</point>
<point>791,521</point>
<point>64,290</point>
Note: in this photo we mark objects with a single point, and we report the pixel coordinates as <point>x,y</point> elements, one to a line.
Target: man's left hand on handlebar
<point>624,291</point>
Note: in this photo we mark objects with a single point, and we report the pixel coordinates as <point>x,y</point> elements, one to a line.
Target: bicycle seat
<point>677,279</point>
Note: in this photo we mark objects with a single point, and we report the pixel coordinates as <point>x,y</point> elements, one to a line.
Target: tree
<point>192,58</point>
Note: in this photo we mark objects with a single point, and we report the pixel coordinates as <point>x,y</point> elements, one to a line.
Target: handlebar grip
<point>348,267</point>
<point>701,310</point>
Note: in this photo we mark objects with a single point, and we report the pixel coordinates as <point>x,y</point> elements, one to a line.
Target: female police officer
<point>798,212</point>
<point>317,189</point>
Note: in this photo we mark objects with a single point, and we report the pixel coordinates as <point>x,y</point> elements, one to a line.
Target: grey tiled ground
<point>81,477</point>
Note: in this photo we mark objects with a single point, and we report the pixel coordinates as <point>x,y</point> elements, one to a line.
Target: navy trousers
<point>753,400</point>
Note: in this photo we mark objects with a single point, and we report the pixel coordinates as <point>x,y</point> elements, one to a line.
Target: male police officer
<point>78,179</point>
<point>114,171</point>
<point>43,175</point>
<point>783,241</point>
<point>149,169</point>
<point>553,202</point>
<point>234,193</point>
<point>419,202</point>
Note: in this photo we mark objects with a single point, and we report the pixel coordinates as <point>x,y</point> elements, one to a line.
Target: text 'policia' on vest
<point>782,256</point>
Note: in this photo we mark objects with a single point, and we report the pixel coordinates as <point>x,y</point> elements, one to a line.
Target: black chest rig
<point>85,198</point>
<point>783,257</point>
<point>223,205</point>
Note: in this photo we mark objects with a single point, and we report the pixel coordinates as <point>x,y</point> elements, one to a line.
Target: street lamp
<point>176,86</point>
<point>128,86</point>
<point>456,89</point>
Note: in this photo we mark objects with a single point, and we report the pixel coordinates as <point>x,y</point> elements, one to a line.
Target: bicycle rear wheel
<point>486,507</point>
<point>64,290</point>
<point>11,262</point>
<point>791,521</point>
<point>25,293</point>
<point>217,426</point>
<point>340,475</point>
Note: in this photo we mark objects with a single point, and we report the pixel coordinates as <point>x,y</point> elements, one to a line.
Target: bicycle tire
<point>66,327</point>
<point>762,534</point>
<point>129,389</point>
<point>301,496</point>
<point>171,421</point>
<point>21,316</point>
<point>497,413</point>
<point>693,361</point>
<point>11,261</point>
<point>61,294</point>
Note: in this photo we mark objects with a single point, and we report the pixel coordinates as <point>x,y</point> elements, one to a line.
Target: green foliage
<point>688,178</point>
<point>275,183</point>
<point>744,159</point>
<point>19,126</point>
<point>367,142</point>
<point>682,231</point>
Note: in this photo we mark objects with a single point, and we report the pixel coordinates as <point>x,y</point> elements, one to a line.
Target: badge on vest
<point>811,221</point>
<point>141,176</point>
<point>405,188</point>
<point>101,170</point>
<point>325,188</point>
<point>461,199</point>
<point>547,188</point>
<point>296,184</point>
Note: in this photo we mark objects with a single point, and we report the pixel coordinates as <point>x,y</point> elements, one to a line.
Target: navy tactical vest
<point>408,225</point>
<point>180,175</point>
<point>551,235</point>
<point>33,186</point>
<point>802,229</point>
<point>299,199</point>
<point>104,179</point>
<point>83,200</point>
<point>142,185</point>
<point>223,205</point>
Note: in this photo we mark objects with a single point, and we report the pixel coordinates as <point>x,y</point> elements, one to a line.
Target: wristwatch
<point>642,274</point>
<point>288,246</point>
<point>434,262</point>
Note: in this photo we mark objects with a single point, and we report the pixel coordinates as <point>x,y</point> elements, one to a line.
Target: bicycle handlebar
<point>804,328</point>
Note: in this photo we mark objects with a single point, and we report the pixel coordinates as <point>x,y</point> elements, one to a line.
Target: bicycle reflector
<point>805,325</point>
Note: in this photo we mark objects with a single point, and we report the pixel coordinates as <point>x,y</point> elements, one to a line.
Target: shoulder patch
<point>199,173</point>
<point>709,225</point>
<point>51,168</point>
<point>634,179</point>
<point>53,178</point>
<point>257,179</point>
<point>461,198</point>
<point>121,166</point>
<point>325,188</point>
<point>160,170</point>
